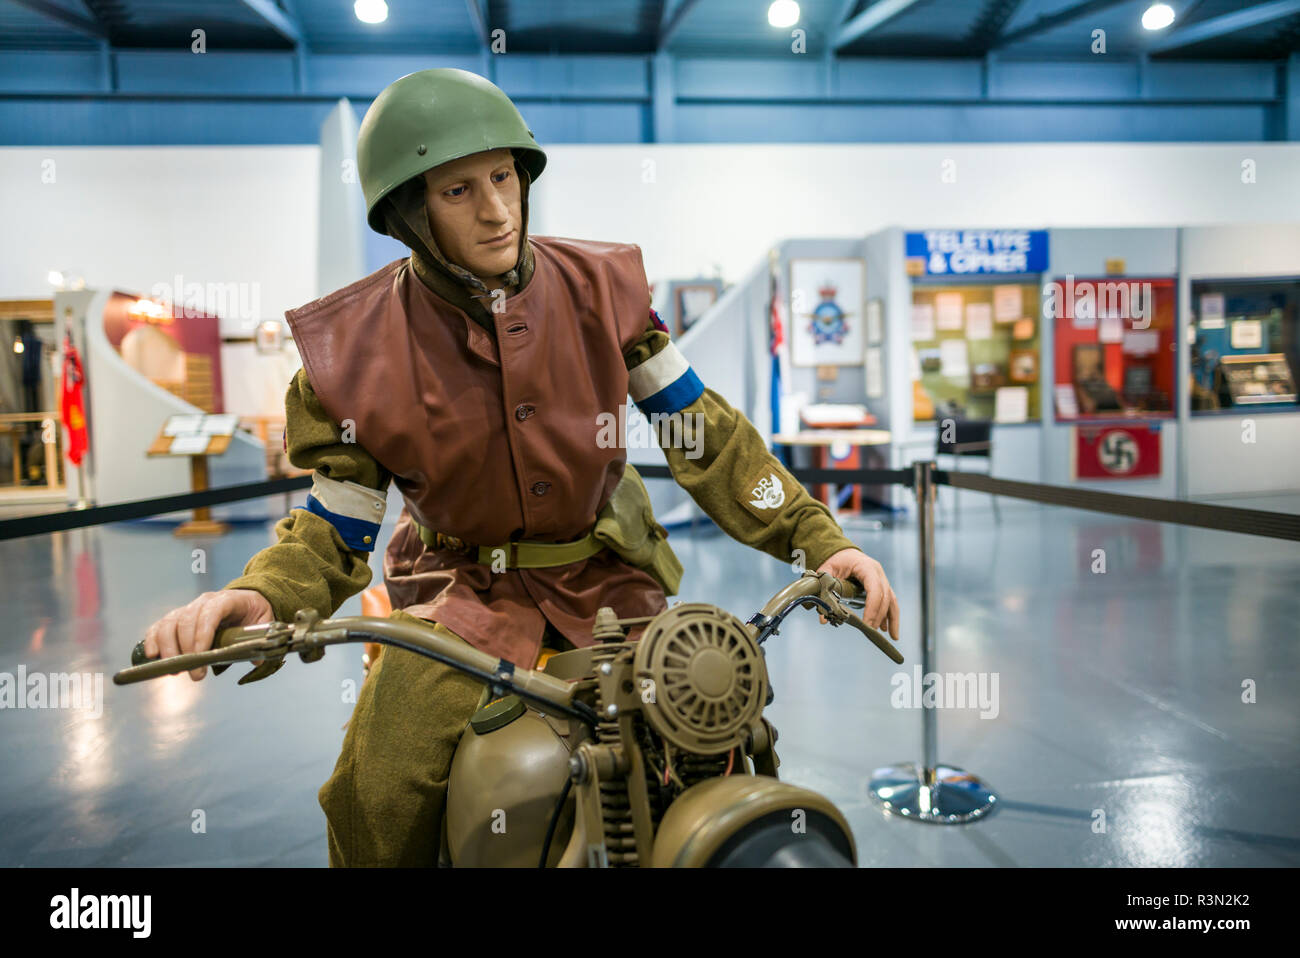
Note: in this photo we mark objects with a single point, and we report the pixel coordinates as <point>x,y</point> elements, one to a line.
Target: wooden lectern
<point>198,437</point>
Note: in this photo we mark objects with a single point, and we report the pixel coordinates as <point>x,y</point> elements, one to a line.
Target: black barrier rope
<point>1274,525</point>
<point>841,477</point>
<point>1254,522</point>
<point>144,508</point>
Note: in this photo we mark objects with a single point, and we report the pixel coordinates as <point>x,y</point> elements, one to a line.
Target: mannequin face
<point>475,208</point>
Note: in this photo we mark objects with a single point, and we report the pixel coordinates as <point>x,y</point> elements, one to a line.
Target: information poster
<point>922,321</point>
<point>1008,303</point>
<point>1067,405</point>
<point>979,321</point>
<point>1011,404</point>
<point>953,358</point>
<point>1212,311</point>
<point>948,311</point>
<point>1247,334</point>
<point>874,372</point>
<point>875,321</point>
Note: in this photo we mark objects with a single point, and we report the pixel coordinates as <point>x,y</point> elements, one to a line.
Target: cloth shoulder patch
<point>765,494</point>
<point>658,323</point>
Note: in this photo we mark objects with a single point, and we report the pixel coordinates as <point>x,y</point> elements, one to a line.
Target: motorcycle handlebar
<point>825,592</point>
<point>266,645</point>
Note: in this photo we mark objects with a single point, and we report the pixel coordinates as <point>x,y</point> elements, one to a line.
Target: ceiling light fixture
<point>1158,16</point>
<point>783,13</point>
<point>371,11</point>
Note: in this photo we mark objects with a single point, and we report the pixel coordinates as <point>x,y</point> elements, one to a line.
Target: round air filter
<point>709,678</point>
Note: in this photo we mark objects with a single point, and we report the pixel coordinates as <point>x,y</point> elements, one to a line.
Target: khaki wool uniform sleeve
<point>311,566</point>
<point>736,480</point>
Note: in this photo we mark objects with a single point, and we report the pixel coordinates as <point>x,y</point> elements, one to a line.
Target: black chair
<point>970,439</point>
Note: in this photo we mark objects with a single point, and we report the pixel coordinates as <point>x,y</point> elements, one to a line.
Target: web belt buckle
<point>512,554</point>
<point>452,543</point>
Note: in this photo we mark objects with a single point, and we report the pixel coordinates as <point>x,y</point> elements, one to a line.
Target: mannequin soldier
<point>473,375</point>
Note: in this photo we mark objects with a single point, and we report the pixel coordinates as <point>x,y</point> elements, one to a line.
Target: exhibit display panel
<point>1245,345</point>
<point>1248,449</point>
<point>975,350</point>
<point>1115,347</point>
<point>974,308</point>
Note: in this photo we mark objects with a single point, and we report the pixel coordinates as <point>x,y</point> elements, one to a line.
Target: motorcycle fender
<point>706,816</point>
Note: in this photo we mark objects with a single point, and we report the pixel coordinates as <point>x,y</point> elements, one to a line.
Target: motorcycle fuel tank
<point>506,777</point>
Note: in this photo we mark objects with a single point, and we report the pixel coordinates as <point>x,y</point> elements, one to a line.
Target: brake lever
<point>268,649</point>
<point>839,611</point>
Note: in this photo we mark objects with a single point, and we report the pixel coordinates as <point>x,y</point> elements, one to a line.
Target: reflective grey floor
<point>1120,698</point>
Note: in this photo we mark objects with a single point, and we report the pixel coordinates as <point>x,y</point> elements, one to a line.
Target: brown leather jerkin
<point>491,440</point>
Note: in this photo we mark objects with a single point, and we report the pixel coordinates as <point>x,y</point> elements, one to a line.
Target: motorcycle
<point>653,752</point>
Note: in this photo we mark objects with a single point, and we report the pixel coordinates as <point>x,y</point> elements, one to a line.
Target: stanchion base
<point>952,796</point>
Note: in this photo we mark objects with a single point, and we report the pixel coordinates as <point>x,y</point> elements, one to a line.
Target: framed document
<point>692,300</point>
<point>827,299</point>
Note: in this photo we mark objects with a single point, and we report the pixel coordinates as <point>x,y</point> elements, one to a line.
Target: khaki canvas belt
<point>519,554</point>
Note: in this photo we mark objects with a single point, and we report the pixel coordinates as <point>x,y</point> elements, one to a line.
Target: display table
<point>822,440</point>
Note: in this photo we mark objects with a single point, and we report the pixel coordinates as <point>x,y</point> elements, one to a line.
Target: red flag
<point>72,405</point>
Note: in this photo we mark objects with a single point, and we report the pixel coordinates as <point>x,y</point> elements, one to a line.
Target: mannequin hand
<point>881,609</point>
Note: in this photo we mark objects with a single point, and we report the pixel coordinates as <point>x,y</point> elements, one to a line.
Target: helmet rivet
<point>421,149</point>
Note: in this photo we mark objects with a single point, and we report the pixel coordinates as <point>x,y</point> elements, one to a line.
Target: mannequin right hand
<point>191,628</point>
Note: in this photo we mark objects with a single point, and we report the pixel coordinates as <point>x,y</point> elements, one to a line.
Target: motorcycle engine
<point>702,678</point>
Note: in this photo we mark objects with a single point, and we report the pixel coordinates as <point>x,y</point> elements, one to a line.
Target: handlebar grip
<point>849,589</point>
<point>223,638</point>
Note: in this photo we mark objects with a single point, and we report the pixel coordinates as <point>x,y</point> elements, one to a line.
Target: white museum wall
<point>691,206</point>
<point>131,217</point>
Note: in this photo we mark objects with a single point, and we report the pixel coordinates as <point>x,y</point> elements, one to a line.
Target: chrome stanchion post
<point>929,791</point>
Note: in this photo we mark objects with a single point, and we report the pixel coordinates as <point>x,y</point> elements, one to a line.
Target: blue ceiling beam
<point>283,24</point>
<point>1228,23</point>
<point>478,17</point>
<point>879,12</point>
<point>670,20</point>
<point>67,18</point>
<point>1053,20</point>
<point>1290,125</point>
<point>841,14</point>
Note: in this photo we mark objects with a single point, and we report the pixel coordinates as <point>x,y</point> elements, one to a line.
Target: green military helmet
<point>428,118</point>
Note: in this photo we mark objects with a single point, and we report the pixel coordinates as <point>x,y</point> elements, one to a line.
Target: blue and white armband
<point>353,509</point>
<point>664,383</point>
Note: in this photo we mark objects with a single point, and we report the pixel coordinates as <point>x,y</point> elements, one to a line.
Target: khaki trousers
<point>385,800</point>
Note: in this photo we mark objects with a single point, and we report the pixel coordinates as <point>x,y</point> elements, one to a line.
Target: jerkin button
<point>539,488</point>
<point>523,411</point>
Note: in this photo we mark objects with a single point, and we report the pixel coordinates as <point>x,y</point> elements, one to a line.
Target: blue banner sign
<point>963,252</point>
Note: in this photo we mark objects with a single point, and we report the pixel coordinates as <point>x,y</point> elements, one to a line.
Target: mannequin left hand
<point>881,609</point>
